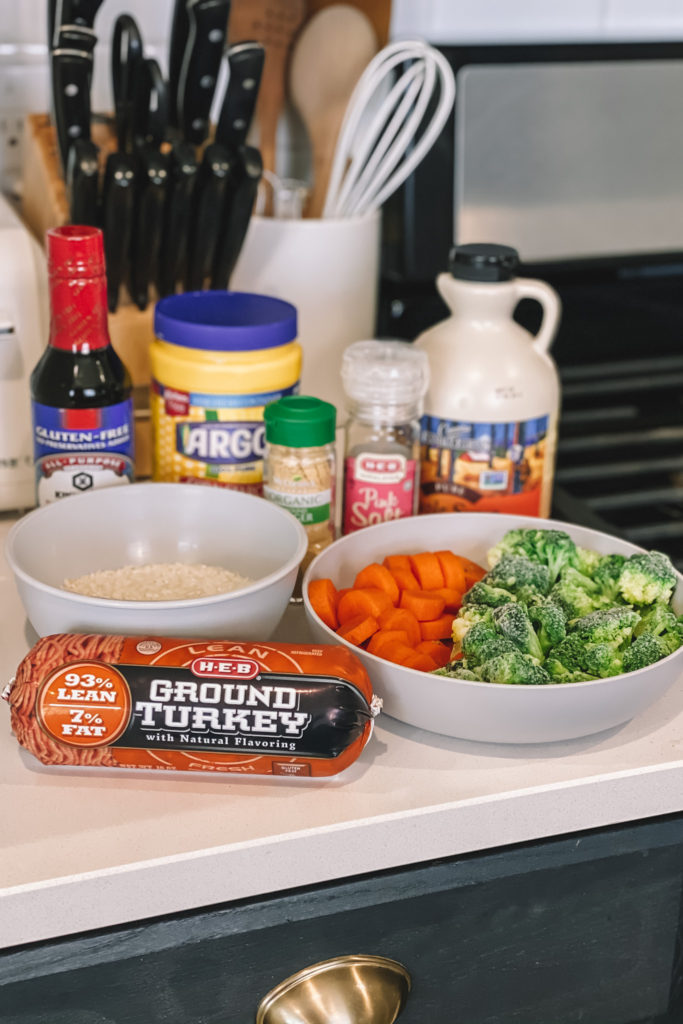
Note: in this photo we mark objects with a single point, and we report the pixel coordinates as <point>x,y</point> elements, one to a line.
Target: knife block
<point>44,205</point>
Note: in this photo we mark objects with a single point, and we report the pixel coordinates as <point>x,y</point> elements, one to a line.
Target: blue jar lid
<point>225,321</point>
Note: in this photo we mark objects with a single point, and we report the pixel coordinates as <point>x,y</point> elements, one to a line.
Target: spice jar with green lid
<point>299,468</point>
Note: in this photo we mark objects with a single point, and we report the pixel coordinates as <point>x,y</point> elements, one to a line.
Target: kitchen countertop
<point>80,849</point>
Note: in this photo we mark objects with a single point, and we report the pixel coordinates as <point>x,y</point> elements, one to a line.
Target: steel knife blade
<point>245,66</point>
<point>208,20</point>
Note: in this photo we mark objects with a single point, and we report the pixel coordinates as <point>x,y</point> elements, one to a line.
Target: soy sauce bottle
<point>80,390</point>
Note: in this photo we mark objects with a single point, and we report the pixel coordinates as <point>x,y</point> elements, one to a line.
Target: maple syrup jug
<point>489,430</point>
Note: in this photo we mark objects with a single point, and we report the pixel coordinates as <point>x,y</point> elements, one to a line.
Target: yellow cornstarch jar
<point>218,359</point>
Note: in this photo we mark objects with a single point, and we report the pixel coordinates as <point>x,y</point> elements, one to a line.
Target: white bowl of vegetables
<point>570,632</point>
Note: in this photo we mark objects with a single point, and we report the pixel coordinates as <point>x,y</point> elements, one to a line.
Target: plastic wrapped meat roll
<point>192,705</point>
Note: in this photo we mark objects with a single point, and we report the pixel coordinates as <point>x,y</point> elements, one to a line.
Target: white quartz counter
<point>82,850</point>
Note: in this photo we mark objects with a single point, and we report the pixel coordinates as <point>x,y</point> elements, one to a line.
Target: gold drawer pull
<point>356,989</point>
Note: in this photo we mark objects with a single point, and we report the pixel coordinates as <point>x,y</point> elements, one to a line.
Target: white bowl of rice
<point>155,558</point>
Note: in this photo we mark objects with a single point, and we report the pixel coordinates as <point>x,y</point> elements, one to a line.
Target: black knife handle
<point>118,199</point>
<point>208,21</point>
<point>150,113</point>
<point>76,37</point>
<point>148,222</point>
<point>183,170</point>
<point>126,59</point>
<point>82,182</point>
<point>80,12</point>
<point>213,178</point>
<point>71,72</point>
<point>245,62</point>
<point>237,210</point>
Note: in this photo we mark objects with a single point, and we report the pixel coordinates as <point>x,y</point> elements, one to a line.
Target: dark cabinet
<point>583,929</point>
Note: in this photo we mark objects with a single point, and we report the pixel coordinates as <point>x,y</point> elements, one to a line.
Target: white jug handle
<point>528,288</point>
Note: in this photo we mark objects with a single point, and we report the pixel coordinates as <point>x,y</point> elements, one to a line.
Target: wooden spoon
<point>273,23</point>
<point>328,58</point>
<point>378,11</point>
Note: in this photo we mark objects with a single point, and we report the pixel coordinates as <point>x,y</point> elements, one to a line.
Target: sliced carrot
<point>401,618</point>
<point>453,570</point>
<point>425,566</point>
<point>323,597</point>
<point>473,571</point>
<point>452,597</point>
<point>396,652</point>
<point>366,601</point>
<point>341,592</point>
<point>419,662</point>
<point>441,653</point>
<point>424,604</point>
<point>376,575</point>
<point>437,629</point>
<point>394,562</point>
<point>358,629</point>
<point>405,579</point>
<point>385,639</point>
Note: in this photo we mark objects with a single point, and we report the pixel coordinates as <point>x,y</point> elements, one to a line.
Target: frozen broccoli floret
<point>586,560</point>
<point>672,641</point>
<point>465,619</point>
<point>574,599</point>
<point>647,578</point>
<point>657,620</point>
<point>559,673</point>
<point>526,579</point>
<point>455,670</point>
<point>602,660</point>
<point>550,622</point>
<point>553,548</point>
<point>645,650</point>
<point>514,667</point>
<point>576,659</point>
<point>513,622</point>
<point>607,625</point>
<point>485,593</point>
<point>514,542</point>
<point>482,642</point>
<point>568,653</point>
<point>606,576</point>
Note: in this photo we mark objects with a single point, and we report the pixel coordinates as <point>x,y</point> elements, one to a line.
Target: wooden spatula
<point>274,23</point>
<point>328,57</point>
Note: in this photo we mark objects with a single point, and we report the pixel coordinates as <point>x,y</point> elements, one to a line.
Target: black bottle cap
<point>482,261</point>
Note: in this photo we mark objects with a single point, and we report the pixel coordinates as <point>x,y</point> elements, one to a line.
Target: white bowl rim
<point>477,684</point>
<point>194,602</point>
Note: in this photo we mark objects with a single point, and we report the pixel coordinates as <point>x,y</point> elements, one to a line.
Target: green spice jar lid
<point>300,421</point>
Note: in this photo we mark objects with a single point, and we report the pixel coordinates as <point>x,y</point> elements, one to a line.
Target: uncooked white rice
<point>163,581</point>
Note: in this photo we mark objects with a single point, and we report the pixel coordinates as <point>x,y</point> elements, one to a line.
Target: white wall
<point>24,83</point>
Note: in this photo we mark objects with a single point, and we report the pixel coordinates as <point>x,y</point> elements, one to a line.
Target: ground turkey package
<point>192,705</point>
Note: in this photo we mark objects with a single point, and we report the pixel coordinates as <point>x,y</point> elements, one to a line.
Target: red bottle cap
<point>75,250</point>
